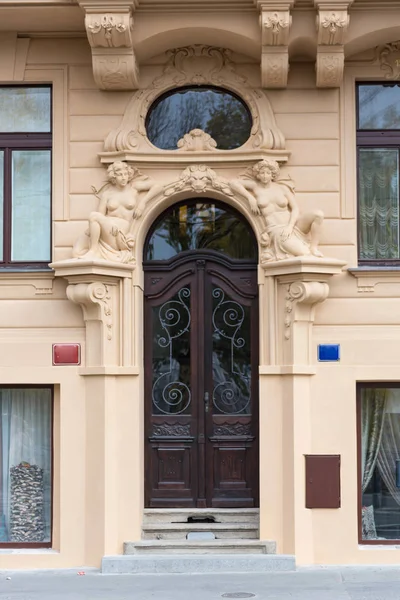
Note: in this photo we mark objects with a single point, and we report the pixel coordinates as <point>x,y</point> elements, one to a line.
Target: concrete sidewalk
<point>331,583</point>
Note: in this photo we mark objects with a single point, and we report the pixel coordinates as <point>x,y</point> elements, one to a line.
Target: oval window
<point>217,112</point>
<point>204,225</point>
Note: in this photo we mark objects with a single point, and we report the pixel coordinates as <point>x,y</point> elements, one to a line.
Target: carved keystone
<point>332,23</point>
<point>110,38</point>
<point>275,22</point>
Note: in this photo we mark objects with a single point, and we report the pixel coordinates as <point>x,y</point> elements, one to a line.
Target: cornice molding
<point>110,38</point>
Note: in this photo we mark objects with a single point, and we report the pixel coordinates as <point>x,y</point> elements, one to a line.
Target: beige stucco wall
<point>98,463</point>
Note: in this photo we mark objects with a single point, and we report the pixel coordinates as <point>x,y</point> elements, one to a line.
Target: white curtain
<point>389,449</point>
<point>26,437</point>
<point>378,200</point>
<point>372,417</point>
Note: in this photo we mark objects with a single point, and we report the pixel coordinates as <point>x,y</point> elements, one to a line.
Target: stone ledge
<point>212,563</point>
<point>369,277</point>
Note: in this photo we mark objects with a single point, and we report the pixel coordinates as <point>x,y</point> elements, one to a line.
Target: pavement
<point>313,583</point>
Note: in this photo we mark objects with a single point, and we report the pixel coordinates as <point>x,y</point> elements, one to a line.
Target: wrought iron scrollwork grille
<point>231,395</point>
<point>170,395</point>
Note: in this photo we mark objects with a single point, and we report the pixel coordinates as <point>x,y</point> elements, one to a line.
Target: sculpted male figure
<point>287,233</point>
<point>110,235</point>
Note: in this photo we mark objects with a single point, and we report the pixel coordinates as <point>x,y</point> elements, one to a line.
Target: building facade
<point>199,274</point>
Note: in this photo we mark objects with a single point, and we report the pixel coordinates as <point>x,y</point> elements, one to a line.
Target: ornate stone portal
<point>106,257</point>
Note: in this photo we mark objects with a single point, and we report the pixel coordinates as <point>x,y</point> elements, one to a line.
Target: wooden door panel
<point>201,384</point>
<point>172,475</point>
<point>232,366</point>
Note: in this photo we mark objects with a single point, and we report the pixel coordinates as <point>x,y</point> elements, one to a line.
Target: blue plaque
<point>328,352</point>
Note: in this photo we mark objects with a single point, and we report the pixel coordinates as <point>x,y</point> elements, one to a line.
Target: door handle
<point>206,402</point>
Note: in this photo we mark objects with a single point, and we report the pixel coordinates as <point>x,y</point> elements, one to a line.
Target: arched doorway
<point>201,342</point>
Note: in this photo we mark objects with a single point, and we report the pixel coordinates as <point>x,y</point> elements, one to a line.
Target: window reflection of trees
<point>217,112</point>
<point>201,226</point>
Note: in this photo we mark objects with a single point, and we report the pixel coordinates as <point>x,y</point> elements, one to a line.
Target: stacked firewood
<point>26,504</point>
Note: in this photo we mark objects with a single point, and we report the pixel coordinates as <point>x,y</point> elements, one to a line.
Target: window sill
<point>28,551</point>
<point>40,282</point>
<point>369,277</point>
<point>394,546</point>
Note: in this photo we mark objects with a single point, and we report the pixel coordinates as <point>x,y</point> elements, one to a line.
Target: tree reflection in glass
<point>195,226</point>
<point>217,112</point>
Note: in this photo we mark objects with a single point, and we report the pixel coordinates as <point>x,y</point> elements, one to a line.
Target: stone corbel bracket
<point>333,21</point>
<point>300,284</point>
<point>275,22</point>
<point>110,38</point>
<point>104,292</point>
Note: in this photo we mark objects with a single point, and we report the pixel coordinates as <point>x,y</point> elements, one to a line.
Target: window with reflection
<point>218,112</point>
<point>379,462</point>
<point>378,143</point>
<point>204,225</point>
<point>25,176</point>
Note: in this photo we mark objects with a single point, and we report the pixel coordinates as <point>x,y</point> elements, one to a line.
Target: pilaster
<point>112,409</point>
<point>290,291</point>
<point>275,23</point>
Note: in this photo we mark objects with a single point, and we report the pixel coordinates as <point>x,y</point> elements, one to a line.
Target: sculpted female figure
<point>287,233</point>
<point>110,236</point>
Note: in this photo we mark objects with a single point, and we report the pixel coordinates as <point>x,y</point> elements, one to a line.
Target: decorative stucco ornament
<point>110,233</point>
<point>199,179</point>
<point>388,58</point>
<point>197,140</point>
<point>332,24</point>
<point>110,38</point>
<point>275,22</point>
<point>204,65</point>
<point>285,232</point>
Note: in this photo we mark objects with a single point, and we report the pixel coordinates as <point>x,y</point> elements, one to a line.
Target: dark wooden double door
<point>201,384</point>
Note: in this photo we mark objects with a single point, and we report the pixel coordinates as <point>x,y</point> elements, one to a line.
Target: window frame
<point>359,387</point>
<point>380,139</point>
<point>10,142</point>
<point>196,87</point>
<point>49,544</point>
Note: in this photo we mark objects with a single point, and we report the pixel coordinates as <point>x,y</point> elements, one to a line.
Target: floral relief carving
<point>108,26</point>
<point>197,140</point>
<point>101,293</point>
<point>285,232</point>
<point>388,58</point>
<point>171,430</point>
<point>232,429</point>
<point>198,178</point>
<point>330,69</point>
<point>121,201</point>
<point>198,64</point>
<point>113,58</point>
<point>332,27</point>
<point>275,29</point>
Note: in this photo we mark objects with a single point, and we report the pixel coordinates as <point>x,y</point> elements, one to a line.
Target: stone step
<point>220,515</point>
<point>200,547</point>
<point>205,563</point>
<point>179,531</point>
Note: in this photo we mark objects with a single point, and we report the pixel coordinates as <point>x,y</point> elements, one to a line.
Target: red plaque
<point>66,354</point>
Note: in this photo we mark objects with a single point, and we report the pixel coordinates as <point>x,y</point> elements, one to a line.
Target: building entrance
<point>201,360</point>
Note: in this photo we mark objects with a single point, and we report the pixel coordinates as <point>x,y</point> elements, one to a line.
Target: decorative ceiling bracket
<point>332,23</point>
<point>109,31</point>
<point>275,22</point>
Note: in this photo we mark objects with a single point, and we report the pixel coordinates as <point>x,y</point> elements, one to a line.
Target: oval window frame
<point>192,87</point>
